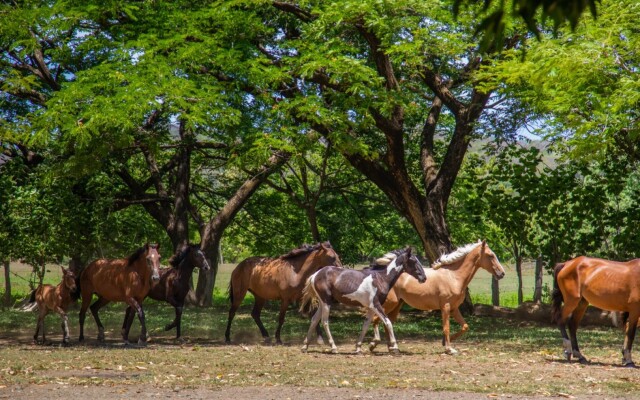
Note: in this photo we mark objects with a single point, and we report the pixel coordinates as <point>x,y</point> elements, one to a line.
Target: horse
<point>126,280</point>
<point>55,298</point>
<point>444,289</point>
<point>609,285</point>
<point>281,278</point>
<point>173,285</point>
<point>367,288</point>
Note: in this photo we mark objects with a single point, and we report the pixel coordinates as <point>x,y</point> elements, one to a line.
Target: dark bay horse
<point>173,285</point>
<point>57,299</point>
<point>127,279</point>
<point>281,278</point>
<point>444,289</point>
<point>609,285</point>
<point>367,288</point>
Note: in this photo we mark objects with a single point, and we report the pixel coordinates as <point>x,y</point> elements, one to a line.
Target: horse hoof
<point>451,351</point>
<point>630,364</point>
<point>279,342</point>
<point>567,355</point>
<point>394,350</point>
<point>320,341</point>
<point>334,350</point>
<point>583,360</point>
<point>304,349</point>
<point>142,343</point>
<point>81,339</point>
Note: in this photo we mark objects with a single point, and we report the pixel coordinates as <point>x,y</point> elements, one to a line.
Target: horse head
<point>153,260</point>
<point>69,279</point>
<point>199,259</point>
<point>411,265</point>
<point>329,255</point>
<point>488,261</point>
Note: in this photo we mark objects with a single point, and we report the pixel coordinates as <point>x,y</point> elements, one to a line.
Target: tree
<point>381,76</point>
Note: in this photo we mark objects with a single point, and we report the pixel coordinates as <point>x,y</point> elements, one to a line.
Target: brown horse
<point>173,285</point>
<point>444,289</point>
<point>609,285</point>
<point>281,278</point>
<point>55,298</point>
<point>367,288</point>
<point>128,280</point>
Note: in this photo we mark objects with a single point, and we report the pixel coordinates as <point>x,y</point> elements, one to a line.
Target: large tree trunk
<point>212,232</point>
<point>313,223</point>
<point>7,283</point>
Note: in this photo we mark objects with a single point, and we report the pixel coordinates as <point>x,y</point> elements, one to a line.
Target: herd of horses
<point>314,276</point>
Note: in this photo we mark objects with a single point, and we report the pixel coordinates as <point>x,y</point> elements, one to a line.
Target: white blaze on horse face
<point>392,266</point>
<point>365,292</point>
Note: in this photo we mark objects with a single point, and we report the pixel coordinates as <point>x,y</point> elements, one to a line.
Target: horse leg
<point>570,304</point>
<point>393,345</point>
<point>95,307</point>
<point>133,303</point>
<point>236,300</point>
<point>365,328</point>
<point>393,316</point>
<point>284,305</point>
<point>464,327</point>
<point>129,315</point>
<point>574,321</point>
<point>255,313</point>
<point>86,300</point>
<point>40,324</point>
<point>314,324</point>
<point>324,309</point>
<point>65,326</point>
<point>630,335</point>
<point>446,329</point>
<point>178,321</point>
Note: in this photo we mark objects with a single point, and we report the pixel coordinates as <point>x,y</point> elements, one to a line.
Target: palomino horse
<point>173,285</point>
<point>127,280</point>
<point>444,289</point>
<point>281,278</point>
<point>58,299</point>
<point>367,288</point>
<point>609,285</point>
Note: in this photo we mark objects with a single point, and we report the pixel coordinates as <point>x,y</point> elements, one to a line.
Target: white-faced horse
<point>367,288</point>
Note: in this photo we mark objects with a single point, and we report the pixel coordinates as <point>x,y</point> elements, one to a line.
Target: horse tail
<point>556,295</point>
<point>75,295</point>
<point>309,301</point>
<point>32,298</point>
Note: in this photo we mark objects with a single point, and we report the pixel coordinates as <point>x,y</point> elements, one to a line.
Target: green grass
<point>480,286</point>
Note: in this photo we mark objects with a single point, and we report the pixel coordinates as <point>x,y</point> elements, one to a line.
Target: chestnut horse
<point>366,288</point>
<point>55,298</point>
<point>127,279</point>
<point>444,289</point>
<point>281,278</point>
<point>609,285</point>
<point>173,285</point>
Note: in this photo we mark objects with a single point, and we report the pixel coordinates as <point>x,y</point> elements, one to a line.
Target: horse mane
<point>138,253</point>
<point>180,255</point>
<point>304,249</point>
<point>382,262</point>
<point>457,254</point>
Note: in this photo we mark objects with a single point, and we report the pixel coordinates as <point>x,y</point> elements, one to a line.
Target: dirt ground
<point>49,391</point>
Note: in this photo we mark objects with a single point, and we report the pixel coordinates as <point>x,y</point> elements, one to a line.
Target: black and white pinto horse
<point>367,288</point>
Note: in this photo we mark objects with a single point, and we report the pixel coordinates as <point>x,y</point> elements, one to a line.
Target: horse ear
<point>484,242</point>
<point>64,271</point>
<point>408,250</point>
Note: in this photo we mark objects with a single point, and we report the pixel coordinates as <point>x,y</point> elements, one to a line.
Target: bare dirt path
<point>49,391</point>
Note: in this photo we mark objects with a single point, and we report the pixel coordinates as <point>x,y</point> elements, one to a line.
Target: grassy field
<point>480,286</point>
<point>497,356</point>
